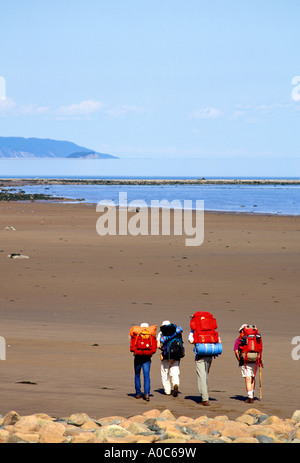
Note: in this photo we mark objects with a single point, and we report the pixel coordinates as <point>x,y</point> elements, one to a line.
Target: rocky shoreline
<point>11,194</point>
<point>152,427</point>
<point>8,182</point>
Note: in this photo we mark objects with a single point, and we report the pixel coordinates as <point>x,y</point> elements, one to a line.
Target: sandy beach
<point>67,310</point>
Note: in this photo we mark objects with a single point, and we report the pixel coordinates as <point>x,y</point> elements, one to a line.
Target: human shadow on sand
<point>241,398</point>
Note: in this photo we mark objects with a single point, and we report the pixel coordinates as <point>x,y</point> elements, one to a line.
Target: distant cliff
<point>34,148</point>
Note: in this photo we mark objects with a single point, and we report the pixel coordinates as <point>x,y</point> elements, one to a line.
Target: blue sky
<point>138,78</point>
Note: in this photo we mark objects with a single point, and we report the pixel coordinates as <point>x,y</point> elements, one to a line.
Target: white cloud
<point>9,107</point>
<point>237,114</point>
<point>84,108</point>
<point>206,113</point>
<point>123,110</point>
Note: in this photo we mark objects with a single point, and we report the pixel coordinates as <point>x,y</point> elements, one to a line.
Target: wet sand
<point>67,310</point>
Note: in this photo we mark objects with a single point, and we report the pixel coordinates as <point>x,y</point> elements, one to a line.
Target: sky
<point>155,79</point>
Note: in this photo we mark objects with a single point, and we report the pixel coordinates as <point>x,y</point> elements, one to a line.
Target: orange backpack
<point>143,340</point>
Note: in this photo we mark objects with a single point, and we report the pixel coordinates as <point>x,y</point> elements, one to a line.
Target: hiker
<point>143,345</point>
<point>248,351</point>
<point>169,340</point>
<point>207,345</point>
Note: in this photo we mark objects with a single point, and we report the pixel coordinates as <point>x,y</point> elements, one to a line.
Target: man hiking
<point>143,345</point>
<point>248,351</point>
<point>169,340</point>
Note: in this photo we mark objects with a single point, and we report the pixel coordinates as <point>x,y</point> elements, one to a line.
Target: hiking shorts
<point>248,370</point>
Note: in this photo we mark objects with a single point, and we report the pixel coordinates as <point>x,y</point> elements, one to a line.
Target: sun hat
<point>242,327</point>
<point>166,322</point>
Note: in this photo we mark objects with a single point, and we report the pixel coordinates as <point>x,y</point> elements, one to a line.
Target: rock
<point>150,422</point>
<point>151,427</point>
<point>17,256</point>
<point>4,435</point>
<point>247,419</point>
<point>27,424</point>
<point>152,413</point>
<point>254,412</point>
<point>272,420</point>
<point>202,419</point>
<point>258,431</point>
<point>53,433</point>
<point>52,437</point>
<point>89,425</point>
<point>172,432</point>
<point>282,430</point>
<point>234,430</point>
<point>110,420</point>
<point>184,420</point>
<point>10,228</point>
<point>167,415</point>
<point>120,440</point>
<point>172,441</point>
<point>58,428</point>
<point>246,440</point>
<point>84,438</point>
<point>29,438</point>
<point>11,418</point>
<point>262,439</point>
<point>147,439</point>
<point>221,418</point>
<point>78,419</point>
<point>261,418</point>
<point>139,428</point>
<point>296,416</point>
<point>112,430</point>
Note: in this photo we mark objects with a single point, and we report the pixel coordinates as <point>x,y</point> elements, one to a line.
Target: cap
<point>241,328</point>
<point>144,325</point>
<point>166,322</point>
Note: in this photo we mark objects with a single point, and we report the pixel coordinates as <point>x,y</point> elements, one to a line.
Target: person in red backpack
<point>204,336</point>
<point>248,357</point>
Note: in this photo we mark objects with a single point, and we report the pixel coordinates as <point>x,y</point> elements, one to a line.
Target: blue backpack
<point>172,343</point>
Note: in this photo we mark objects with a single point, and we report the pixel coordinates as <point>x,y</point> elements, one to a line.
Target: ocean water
<point>258,199</point>
<point>255,199</point>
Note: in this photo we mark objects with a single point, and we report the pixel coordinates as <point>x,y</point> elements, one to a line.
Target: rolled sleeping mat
<point>208,349</point>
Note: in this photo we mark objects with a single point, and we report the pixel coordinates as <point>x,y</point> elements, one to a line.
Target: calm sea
<point>258,199</point>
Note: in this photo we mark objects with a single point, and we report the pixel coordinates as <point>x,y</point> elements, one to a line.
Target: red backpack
<point>143,340</point>
<point>250,345</point>
<point>204,326</point>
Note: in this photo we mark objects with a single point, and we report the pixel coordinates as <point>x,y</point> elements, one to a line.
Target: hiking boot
<point>175,392</point>
<point>147,398</point>
<point>249,400</point>
<point>205,403</point>
<point>138,396</point>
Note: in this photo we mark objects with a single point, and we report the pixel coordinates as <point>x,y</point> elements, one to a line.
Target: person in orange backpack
<point>248,351</point>
<point>143,345</point>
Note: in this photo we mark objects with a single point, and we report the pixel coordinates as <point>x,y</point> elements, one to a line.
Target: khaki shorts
<point>248,370</point>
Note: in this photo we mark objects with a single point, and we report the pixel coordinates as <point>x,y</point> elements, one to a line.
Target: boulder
<point>11,418</point>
